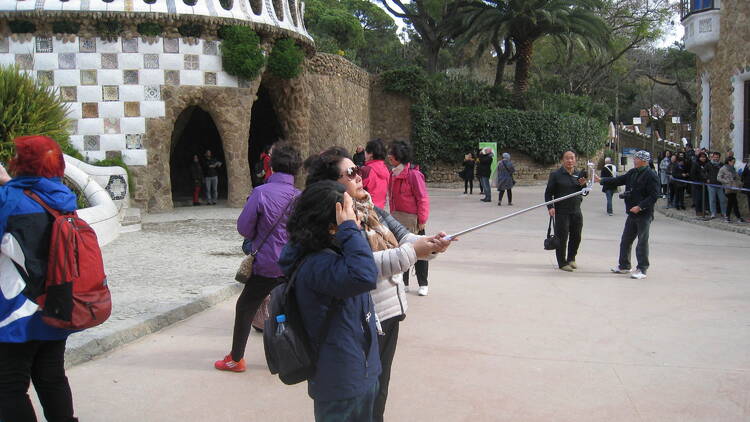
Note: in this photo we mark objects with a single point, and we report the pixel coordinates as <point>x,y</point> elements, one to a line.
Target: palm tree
<point>526,21</point>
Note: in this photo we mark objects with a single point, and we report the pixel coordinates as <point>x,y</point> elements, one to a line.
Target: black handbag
<point>551,242</point>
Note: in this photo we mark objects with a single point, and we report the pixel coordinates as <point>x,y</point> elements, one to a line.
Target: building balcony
<point>702,22</point>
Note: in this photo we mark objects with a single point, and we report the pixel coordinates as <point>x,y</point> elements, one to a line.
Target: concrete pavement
<point>503,336</point>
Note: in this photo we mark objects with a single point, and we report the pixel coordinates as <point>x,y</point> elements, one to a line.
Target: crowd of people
<point>205,175</point>
<point>482,162</point>
<point>714,183</point>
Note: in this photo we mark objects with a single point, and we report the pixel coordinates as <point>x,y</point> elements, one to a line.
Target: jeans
<point>485,182</point>
<point>252,296</point>
<point>387,346</point>
<point>41,362</point>
<point>713,193</point>
<point>609,194</point>
<point>421,267</point>
<point>568,229</point>
<point>636,226</point>
<point>212,184</point>
<point>357,409</point>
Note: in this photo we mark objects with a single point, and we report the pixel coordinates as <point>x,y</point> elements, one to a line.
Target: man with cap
<point>641,192</point>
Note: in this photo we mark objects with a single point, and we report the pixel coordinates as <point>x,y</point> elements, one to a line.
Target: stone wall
<point>527,171</point>
<point>390,114</point>
<point>340,102</point>
<point>730,65</point>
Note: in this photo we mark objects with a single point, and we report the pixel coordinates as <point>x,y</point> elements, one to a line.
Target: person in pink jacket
<point>410,203</point>
<point>375,173</point>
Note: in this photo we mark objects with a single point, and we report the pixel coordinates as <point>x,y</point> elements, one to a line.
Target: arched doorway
<point>265,130</point>
<point>194,133</point>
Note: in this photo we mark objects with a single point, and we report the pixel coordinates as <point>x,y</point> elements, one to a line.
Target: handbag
<point>246,266</point>
<point>551,242</point>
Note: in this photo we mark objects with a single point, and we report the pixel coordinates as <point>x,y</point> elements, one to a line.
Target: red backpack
<point>75,295</point>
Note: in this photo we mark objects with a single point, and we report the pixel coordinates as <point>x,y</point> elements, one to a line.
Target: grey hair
<point>607,160</point>
<point>506,156</point>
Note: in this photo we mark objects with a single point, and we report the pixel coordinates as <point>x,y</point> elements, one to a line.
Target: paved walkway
<point>503,336</point>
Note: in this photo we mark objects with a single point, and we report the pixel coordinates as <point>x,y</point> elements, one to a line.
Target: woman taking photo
<point>410,203</point>
<point>263,225</point>
<point>335,272</point>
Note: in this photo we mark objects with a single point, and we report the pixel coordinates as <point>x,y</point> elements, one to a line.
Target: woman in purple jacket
<point>263,224</point>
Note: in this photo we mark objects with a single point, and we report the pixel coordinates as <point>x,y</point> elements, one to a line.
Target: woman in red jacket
<point>410,203</point>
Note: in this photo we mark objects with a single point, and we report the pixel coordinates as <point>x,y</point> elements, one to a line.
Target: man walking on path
<point>641,193</point>
<point>567,213</point>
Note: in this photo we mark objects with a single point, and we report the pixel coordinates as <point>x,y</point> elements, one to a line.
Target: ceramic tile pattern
<point>46,77</point>
<point>130,45</point>
<point>91,143</point>
<point>87,45</point>
<point>90,110</point>
<point>110,93</point>
<point>132,109</point>
<point>192,62</point>
<point>43,44</point>
<point>210,48</point>
<point>130,77</point>
<point>25,61</point>
<point>171,45</point>
<point>172,77</point>
<point>88,77</point>
<point>69,93</point>
<point>67,60</point>
<point>209,78</point>
<point>134,141</point>
<point>152,93</point>
<point>111,125</point>
<point>109,61</point>
<point>150,61</point>
<point>4,45</point>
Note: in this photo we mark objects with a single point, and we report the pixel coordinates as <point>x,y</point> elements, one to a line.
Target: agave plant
<point>29,107</point>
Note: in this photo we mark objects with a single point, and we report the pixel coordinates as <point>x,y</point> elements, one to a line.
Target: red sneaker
<point>227,364</point>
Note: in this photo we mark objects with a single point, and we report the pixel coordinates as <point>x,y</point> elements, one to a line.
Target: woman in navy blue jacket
<point>336,273</point>
<point>30,350</point>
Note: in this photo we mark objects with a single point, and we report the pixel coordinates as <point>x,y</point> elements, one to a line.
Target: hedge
<point>285,60</point>
<point>241,54</point>
<point>445,136</point>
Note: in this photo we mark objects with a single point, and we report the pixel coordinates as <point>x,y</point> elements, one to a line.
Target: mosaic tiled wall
<point>113,87</point>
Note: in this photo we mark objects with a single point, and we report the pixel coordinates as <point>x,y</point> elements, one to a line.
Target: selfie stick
<point>585,191</point>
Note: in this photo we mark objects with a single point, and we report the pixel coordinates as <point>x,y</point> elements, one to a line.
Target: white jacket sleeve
<point>395,261</point>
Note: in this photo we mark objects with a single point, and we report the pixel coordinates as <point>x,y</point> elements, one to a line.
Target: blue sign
<point>629,151</point>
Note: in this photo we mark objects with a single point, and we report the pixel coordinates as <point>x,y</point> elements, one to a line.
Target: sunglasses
<point>352,172</point>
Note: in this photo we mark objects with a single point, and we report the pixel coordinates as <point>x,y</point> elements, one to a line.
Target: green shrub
<point>190,30</point>
<point>29,108</point>
<point>410,81</point>
<point>150,29</point>
<point>241,52</point>
<point>65,27</point>
<point>109,28</point>
<point>567,103</point>
<point>22,27</point>
<point>285,60</point>
<point>447,135</point>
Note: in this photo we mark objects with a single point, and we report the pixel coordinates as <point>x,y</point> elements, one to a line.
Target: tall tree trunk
<point>523,64</point>
<point>432,53</point>
<point>502,60</point>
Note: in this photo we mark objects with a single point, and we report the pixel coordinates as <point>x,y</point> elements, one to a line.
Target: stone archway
<point>230,110</point>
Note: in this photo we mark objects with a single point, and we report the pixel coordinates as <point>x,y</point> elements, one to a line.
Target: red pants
<point>196,194</point>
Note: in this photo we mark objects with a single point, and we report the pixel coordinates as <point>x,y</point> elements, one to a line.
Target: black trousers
<point>568,229</point>
<point>733,205</point>
<point>387,346</point>
<point>255,291</point>
<point>500,194</point>
<point>636,226</point>
<point>40,362</point>
<point>422,268</point>
<point>469,186</point>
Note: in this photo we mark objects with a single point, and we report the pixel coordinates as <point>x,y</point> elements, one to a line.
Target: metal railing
<point>689,7</point>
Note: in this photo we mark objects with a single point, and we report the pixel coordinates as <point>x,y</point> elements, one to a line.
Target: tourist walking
<point>699,174</point>
<point>730,179</point>
<point>394,249</point>
<point>567,213</point>
<point>468,174</point>
<point>334,272</point>
<point>716,193</point>
<point>641,193</point>
<point>211,178</point>
<point>265,158</point>
<point>609,170</point>
<point>196,173</point>
<point>31,350</point>
<point>505,179</point>
<point>378,175</point>
<point>484,171</point>
<point>263,225</point>
<point>410,203</point>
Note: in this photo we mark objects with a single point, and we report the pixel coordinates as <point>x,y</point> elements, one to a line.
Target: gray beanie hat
<point>506,156</point>
<point>643,155</point>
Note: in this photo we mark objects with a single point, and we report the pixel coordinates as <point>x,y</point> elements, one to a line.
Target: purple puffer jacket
<point>264,206</point>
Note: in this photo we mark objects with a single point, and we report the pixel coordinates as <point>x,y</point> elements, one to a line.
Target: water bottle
<point>280,324</point>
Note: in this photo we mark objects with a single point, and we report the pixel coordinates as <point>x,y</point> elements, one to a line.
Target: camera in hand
<point>625,195</point>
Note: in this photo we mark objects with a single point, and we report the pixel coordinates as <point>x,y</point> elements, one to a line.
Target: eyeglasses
<point>352,172</point>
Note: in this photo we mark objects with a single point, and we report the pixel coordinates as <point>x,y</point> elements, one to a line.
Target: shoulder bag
<point>246,266</point>
<point>551,242</point>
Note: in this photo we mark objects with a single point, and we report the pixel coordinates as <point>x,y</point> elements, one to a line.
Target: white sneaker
<point>618,270</point>
<point>638,275</point>
<point>422,290</point>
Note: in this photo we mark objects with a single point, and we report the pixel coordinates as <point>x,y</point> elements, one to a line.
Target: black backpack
<point>292,355</point>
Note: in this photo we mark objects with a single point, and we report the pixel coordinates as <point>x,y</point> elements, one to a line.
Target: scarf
<point>378,235</point>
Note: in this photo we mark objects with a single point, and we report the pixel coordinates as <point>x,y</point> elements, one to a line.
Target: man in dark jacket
<point>567,213</point>
<point>484,171</point>
<point>641,192</point>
